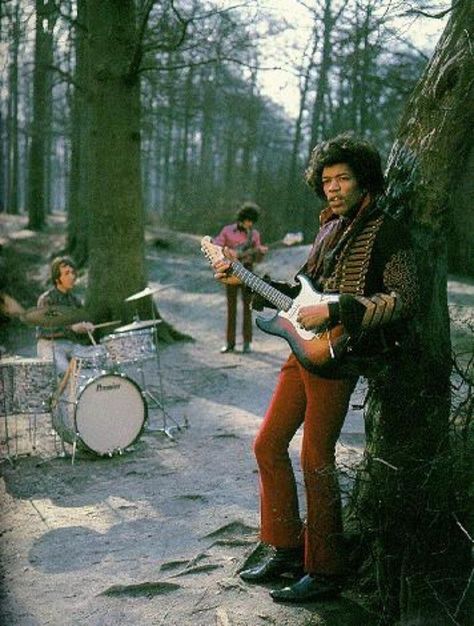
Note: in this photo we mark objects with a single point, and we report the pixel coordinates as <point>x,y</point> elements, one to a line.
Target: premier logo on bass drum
<point>100,387</point>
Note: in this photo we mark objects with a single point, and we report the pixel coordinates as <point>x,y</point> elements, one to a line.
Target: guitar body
<point>316,352</point>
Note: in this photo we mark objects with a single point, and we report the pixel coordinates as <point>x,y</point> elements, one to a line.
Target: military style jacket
<point>368,260</point>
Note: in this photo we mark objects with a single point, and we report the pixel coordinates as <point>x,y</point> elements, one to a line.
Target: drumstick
<point>93,341</point>
<point>107,324</point>
<point>63,382</point>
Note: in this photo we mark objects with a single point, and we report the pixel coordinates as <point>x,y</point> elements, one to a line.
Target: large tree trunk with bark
<point>78,205</point>
<point>116,239</point>
<point>116,255</point>
<point>412,492</point>
<point>13,186</point>
<point>41,102</point>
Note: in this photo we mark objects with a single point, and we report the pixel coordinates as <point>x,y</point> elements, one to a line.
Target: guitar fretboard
<point>256,284</point>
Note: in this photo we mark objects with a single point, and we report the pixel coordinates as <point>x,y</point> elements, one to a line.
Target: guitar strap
<point>352,264</point>
<point>249,243</point>
<point>244,247</point>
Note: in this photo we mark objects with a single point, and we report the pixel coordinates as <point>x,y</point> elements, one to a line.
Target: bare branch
<point>210,61</point>
<point>434,16</point>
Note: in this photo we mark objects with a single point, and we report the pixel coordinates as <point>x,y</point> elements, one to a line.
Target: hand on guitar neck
<point>222,267</point>
<point>248,256</point>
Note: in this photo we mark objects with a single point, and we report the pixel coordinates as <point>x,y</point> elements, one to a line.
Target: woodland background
<point>209,137</point>
<point>123,113</point>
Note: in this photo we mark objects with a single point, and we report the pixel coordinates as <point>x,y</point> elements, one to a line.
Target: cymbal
<point>137,326</point>
<point>142,294</point>
<point>49,316</point>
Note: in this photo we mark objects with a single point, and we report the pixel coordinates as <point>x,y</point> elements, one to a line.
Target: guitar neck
<point>257,285</point>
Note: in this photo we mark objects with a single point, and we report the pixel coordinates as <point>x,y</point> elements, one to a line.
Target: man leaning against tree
<point>362,256</point>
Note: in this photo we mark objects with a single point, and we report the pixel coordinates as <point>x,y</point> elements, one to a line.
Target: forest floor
<point>159,534</point>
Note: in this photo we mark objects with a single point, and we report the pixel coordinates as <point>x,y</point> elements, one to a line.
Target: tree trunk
<point>116,253</point>
<point>13,145</point>
<point>50,173</point>
<point>293,217</point>
<point>78,209</point>
<point>413,488</point>
<point>36,166</point>
<point>183,177</point>
<point>317,130</point>
<point>117,267</point>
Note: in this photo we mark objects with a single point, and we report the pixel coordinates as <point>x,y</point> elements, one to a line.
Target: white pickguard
<point>306,297</point>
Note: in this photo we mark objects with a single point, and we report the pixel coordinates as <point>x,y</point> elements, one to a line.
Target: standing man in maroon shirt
<point>243,242</point>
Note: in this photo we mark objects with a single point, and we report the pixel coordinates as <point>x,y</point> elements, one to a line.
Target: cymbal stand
<point>5,406</point>
<point>148,394</point>
<point>165,429</point>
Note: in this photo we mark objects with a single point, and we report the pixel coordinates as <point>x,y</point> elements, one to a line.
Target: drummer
<point>57,343</point>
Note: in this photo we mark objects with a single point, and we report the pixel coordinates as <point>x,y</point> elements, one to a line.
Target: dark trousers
<point>321,406</point>
<point>232,292</point>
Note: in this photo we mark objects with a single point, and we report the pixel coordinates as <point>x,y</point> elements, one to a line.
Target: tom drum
<point>130,347</point>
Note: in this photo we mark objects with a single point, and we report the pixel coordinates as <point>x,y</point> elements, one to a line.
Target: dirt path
<point>157,536</point>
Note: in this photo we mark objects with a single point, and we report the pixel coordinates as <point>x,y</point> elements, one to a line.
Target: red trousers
<point>232,292</point>
<point>321,405</point>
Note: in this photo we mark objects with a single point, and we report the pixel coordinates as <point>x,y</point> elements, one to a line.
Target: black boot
<point>310,588</point>
<point>282,561</point>
<point>227,348</point>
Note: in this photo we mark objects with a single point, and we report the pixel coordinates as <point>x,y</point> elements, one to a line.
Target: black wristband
<point>334,313</point>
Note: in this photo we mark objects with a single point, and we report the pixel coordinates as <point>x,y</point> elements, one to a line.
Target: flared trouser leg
<point>321,404</point>
<point>231,293</point>
<point>281,525</point>
<point>246,315</point>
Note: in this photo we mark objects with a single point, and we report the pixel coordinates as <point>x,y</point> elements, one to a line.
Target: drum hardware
<point>129,352</point>
<point>138,325</point>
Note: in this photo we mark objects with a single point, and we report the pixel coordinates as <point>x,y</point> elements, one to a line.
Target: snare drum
<point>130,347</point>
<point>105,415</point>
<point>26,385</point>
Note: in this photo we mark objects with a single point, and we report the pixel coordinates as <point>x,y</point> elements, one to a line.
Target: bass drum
<point>107,416</point>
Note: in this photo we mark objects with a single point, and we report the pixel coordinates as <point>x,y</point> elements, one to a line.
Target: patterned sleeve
<point>399,301</point>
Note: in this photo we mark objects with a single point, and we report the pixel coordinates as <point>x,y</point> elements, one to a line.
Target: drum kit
<point>102,403</point>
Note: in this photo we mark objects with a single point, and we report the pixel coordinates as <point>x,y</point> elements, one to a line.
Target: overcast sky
<point>284,51</point>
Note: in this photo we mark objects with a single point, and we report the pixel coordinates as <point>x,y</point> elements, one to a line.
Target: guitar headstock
<point>211,251</point>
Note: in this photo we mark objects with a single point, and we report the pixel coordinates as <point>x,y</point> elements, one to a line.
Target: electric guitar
<point>316,351</point>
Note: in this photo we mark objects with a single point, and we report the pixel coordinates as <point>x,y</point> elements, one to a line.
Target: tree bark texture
<point>413,490</point>
<point>117,267</point>
<point>41,102</point>
<point>13,139</point>
<point>78,209</point>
